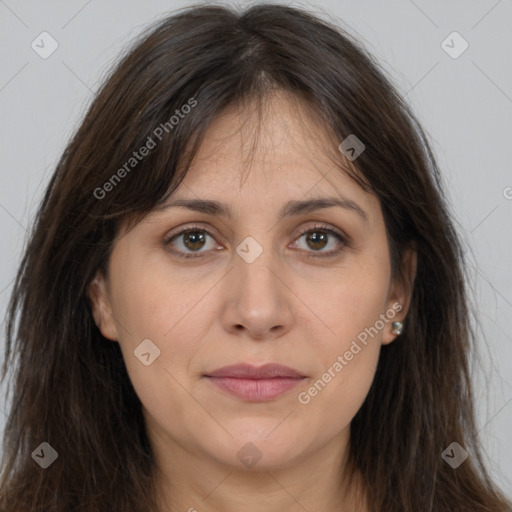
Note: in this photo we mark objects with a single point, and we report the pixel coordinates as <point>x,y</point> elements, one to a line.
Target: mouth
<point>256,384</point>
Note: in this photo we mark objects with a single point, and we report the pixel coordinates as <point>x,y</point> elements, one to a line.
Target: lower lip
<point>256,390</point>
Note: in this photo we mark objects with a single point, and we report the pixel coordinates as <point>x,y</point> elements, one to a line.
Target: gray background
<point>464,103</point>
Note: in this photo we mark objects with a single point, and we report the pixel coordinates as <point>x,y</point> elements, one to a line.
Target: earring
<point>397,328</point>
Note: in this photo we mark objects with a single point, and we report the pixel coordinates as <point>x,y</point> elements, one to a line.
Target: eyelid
<point>326,227</point>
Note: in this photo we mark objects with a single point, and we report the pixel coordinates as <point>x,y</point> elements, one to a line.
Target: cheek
<point>348,360</point>
<point>349,351</point>
<point>150,309</point>
<point>354,305</point>
<point>350,355</point>
<point>150,302</point>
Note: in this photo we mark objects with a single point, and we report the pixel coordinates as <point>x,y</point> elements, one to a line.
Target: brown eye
<point>317,238</point>
<point>189,241</point>
<point>194,240</point>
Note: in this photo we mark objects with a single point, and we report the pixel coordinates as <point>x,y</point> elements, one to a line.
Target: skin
<point>215,310</point>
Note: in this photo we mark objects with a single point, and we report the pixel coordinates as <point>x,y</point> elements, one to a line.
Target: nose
<point>258,302</point>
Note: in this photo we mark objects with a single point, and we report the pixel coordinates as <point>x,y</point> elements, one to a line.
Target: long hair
<point>70,388</point>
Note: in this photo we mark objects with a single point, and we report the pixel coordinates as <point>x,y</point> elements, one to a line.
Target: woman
<point>243,290</point>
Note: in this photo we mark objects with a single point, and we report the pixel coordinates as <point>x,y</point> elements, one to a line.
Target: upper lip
<point>247,371</point>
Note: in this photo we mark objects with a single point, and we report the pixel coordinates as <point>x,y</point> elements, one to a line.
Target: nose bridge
<point>256,262</point>
<point>257,299</point>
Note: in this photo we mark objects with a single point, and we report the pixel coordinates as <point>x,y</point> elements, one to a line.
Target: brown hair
<point>70,385</point>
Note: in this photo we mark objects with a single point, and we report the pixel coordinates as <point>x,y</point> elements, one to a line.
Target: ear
<point>101,307</point>
<point>400,293</point>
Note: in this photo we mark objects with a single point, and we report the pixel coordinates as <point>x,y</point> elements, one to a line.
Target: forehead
<point>274,148</point>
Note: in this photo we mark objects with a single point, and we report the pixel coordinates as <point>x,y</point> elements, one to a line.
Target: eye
<point>192,238</point>
<point>189,242</point>
<point>320,236</point>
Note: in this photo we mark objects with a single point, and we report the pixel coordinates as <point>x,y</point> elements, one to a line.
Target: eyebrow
<point>291,208</point>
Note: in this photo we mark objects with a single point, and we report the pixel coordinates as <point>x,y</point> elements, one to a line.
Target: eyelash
<point>343,240</point>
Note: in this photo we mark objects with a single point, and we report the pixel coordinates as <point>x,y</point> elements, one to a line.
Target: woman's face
<point>267,284</point>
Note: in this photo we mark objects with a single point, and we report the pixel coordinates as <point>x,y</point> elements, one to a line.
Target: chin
<point>260,452</point>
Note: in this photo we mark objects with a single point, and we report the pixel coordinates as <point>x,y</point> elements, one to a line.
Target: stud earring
<point>397,328</point>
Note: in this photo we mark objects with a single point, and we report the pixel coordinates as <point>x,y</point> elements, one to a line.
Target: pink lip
<point>256,383</point>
